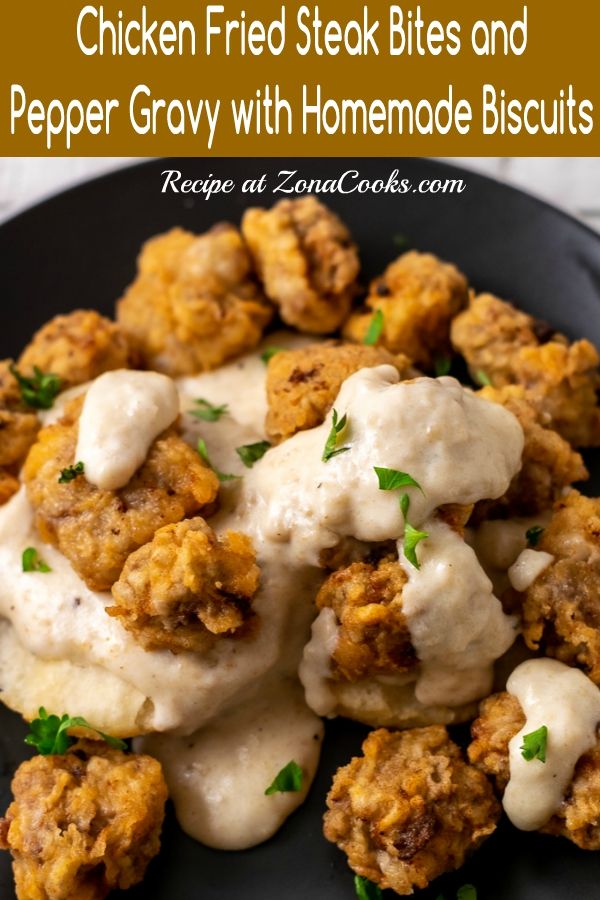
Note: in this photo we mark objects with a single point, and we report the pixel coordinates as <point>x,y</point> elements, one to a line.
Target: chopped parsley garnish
<point>39,390</point>
<point>412,537</point>
<point>534,534</point>
<point>71,473</point>
<point>392,479</point>
<point>251,453</point>
<point>534,744</point>
<point>482,378</point>
<point>207,412</point>
<point>337,427</point>
<point>365,889</point>
<point>466,892</point>
<point>375,328</point>
<point>442,365</point>
<point>269,353</point>
<point>32,561</point>
<point>203,453</point>
<point>49,733</point>
<point>288,780</point>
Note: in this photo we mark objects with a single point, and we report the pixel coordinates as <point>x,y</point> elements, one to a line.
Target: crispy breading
<point>410,809</point>
<point>549,462</point>
<point>19,423</point>
<point>9,485</point>
<point>510,347</point>
<point>302,384</point>
<point>561,609</point>
<point>418,295</point>
<point>186,587</point>
<point>84,823</point>
<point>578,818</point>
<point>97,530</point>
<point>195,302</point>
<point>307,262</point>
<point>77,347</point>
<point>373,636</point>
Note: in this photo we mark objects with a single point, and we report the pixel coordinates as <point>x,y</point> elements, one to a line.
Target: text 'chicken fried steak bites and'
<point>212,536</point>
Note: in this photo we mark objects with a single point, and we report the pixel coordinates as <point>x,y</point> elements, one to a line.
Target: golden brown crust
<point>97,530</point>
<point>302,384</point>
<point>510,347</point>
<point>561,609</point>
<point>9,485</point>
<point>77,347</point>
<point>186,587</point>
<point>195,302</point>
<point>83,824</point>
<point>373,637</point>
<point>306,260</point>
<point>19,424</point>
<point>578,819</point>
<point>549,463</point>
<point>410,809</point>
<point>418,295</point>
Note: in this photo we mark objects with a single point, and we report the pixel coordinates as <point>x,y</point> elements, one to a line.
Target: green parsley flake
<point>71,473</point>
<point>412,537</point>
<point>39,390</point>
<point>203,453</point>
<point>442,366</point>
<point>251,453</point>
<point>375,328</point>
<point>482,378</point>
<point>366,890</point>
<point>466,892</point>
<point>338,426</point>
<point>392,479</point>
<point>32,562</point>
<point>534,744</point>
<point>269,353</point>
<point>534,534</point>
<point>207,412</point>
<point>49,733</point>
<point>288,780</point>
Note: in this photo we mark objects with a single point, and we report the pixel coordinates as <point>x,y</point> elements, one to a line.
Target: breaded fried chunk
<point>195,302</point>
<point>302,384</point>
<point>83,824</point>
<point>306,260</point>
<point>510,347</point>
<point>549,462</point>
<point>19,423</point>
<point>373,636</point>
<point>187,587</point>
<point>578,819</point>
<point>561,609</point>
<point>9,485</point>
<point>417,295</point>
<point>409,809</point>
<point>97,530</point>
<point>77,347</point>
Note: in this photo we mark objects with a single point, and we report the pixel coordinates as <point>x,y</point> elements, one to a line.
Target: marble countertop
<point>572,183</point>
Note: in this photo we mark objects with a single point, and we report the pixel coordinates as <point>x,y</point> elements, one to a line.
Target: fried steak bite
<point>77,347</point>
<point>19,423</point>
<point>409,809</point>
<point>302,384</point>
<point>418,295</point>
<point>306,260</point>
<point>195,302</point>
<point>84,823</point>
<point>187,587</point>
<point>578,819</point>
<point>561,609</point>
<point>95,529</point>
<point>510,347</point>
<point>549,462</point>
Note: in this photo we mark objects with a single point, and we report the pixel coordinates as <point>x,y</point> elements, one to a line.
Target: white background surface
<point>573,183</point>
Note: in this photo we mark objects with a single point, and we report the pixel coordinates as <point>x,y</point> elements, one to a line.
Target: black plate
<point>78,249</point>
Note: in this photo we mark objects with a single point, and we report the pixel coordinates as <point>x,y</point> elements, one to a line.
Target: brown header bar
<point>181,77</point>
